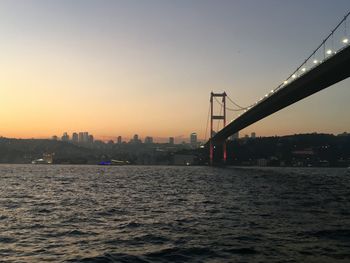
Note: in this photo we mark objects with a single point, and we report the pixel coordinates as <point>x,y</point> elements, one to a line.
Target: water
<point>173,214</point>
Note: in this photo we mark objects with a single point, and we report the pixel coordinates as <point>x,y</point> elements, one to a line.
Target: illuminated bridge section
<point>328,64</point>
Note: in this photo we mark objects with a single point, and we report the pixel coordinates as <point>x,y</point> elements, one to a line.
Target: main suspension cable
<point>237,105</point>
<point>227,108</point>
<point>206,128</point>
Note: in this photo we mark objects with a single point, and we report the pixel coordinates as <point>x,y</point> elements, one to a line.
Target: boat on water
<point>40,161</point>
<point>46,159</point>
<point>114,162</point>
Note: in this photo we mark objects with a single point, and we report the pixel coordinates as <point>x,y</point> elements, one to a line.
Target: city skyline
<point>86,137</point>
<point>123,67</point>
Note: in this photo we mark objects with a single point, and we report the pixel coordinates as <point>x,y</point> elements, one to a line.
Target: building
<point>253,135</point>
<point>90,138</point>
<point>55,138</point>
<point>75,137</point>
<point>261,162</point>
<point>119,139</point>
<point>65,137</point>
<point>148,139</point>
<point>171,140</point>
<point>135,139</point>
<point>193,139</point>
<point>83,137</point>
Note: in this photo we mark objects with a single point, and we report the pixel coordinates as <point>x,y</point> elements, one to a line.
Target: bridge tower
<point>217,117</point>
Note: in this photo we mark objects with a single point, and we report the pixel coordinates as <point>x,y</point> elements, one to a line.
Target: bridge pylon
<point>213,117</point>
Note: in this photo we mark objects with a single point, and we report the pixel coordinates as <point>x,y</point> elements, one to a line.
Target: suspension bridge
<point>328,64</point>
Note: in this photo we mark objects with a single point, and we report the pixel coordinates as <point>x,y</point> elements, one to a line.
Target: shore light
<point>345,41</point>
<point>315,61</point>
<point>303,69</point>
<point>329,52</point>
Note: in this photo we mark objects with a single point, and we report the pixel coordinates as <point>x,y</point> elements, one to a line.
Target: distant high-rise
<point>75,137</point>
<point>55,138</point>
<point>90,138</point>
<point>81,137</point>
<point>85,137</point>
<point>193,139</point>
<point>171,140</point>
<point>65,137</point>
<point>148,139</point>
<point>119,139</point>
<point>253,135</point>
<point>135,139</point>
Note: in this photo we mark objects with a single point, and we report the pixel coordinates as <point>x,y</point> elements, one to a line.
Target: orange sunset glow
<point>150,71</point>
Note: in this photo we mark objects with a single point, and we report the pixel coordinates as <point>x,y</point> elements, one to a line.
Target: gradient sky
<point>124,67</point>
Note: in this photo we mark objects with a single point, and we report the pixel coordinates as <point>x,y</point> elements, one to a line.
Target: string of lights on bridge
<point>336,41</point>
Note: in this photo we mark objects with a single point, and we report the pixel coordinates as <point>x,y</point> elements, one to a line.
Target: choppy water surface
<point>173,214</point>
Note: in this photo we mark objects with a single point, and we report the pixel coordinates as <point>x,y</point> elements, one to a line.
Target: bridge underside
<point>331,71</point>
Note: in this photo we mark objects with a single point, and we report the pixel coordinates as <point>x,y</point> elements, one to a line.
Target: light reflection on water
<point>175,214</point>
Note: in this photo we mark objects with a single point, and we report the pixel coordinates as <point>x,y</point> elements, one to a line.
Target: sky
<point>147,67</point>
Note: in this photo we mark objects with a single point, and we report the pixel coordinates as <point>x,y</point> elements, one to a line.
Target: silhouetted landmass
<point>294,150</point>
<point>27,150</point>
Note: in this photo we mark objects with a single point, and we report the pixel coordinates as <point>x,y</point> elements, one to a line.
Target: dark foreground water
<point>173,214</point>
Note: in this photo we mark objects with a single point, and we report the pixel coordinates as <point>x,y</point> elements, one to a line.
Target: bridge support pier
<point>211,153</point>
<point>224,152</point>
<point>217,153</point>
<point>215,146</point>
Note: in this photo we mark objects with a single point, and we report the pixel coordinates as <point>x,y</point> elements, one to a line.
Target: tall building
<point>253,135</point>
<point>193,139</point>
<point>85,137</point>
<point>119,139</point>
<point>90,138</point>
<point>171,140</point>
<point>65,137</point>
<point>135,139</point>
<point>148,139</point>
<point>81,137</point>
<point>75,137</point>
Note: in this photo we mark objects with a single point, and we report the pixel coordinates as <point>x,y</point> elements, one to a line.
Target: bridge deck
<point>331,71</point>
